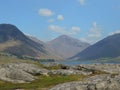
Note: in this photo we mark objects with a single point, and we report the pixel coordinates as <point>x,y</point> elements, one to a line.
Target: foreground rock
<point>99,76</point>
<point>20,72</point>
<point>67,70</point>
<point>111,68</point>
<point>23,72</point>
<point>70,72</point>
<point>99,82</point>
<point>109,79</point>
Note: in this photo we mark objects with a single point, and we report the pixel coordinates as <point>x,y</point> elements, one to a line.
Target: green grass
<point>43,83</point>
<point>12,59</point>
<point>7,58</point>
<point>52,67</point>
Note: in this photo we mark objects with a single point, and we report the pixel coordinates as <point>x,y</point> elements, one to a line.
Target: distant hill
<point>35,39</point>
<point>66,46</point>
<point>45,45</point>
<point>13,41</point>
<point>106,48</point>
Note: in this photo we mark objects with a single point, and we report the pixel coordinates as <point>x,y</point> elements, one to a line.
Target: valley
<point>27,63</point>
<point>59,45</point>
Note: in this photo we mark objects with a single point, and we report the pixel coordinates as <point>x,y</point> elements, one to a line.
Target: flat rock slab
<point>111,68</point>
<point>98,82</point>
<point>20,72</point>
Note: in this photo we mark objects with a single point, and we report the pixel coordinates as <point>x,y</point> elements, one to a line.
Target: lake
<point>69,62</point>
<point>74,62</point>
<point>79,62</point>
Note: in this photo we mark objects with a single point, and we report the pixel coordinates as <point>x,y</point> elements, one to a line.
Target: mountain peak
<point>5,24</point>
<point>8,27</point>
<point>66,46</point>
<point>64,36</point>
<point>10,32</point>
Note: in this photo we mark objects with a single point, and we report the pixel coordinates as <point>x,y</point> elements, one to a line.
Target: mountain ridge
<point>25,47</point>
<point>109,47</point>
<point>66,46</point>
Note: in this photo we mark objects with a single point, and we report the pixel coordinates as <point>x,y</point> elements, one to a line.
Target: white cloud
<point>94,34</point>
<point>64,30</point>
<point>60,17</point>
<point>57,29</point>
<point>45,12</point>
<point>84,39</point>
<point>76,28</point>
<point>51,20</point>
<point>115,32</point>
<point>95,31</point>
<point>82,2</point>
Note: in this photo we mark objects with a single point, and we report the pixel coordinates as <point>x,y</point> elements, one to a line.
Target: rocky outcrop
<point>70,72</point>
<point>20,72</point>
<point>23,72</point>
<point>109,79</point>
<point>15,75</point>
<point>111,68</point>
<point>49,64</point>
<point>99,82</point>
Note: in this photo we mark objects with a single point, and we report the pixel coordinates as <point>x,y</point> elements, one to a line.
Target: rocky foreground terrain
<point>98,76</point>
<point>108,81</point>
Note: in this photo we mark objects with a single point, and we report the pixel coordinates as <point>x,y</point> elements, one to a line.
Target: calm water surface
<point>79,62</point>
<point>74,62</point>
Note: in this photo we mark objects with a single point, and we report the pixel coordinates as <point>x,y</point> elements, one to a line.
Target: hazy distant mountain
<point>35,39</point>
<point>47,48</point>
<point>66,46</point>
<point>13,41</point>
<point>108,47</point>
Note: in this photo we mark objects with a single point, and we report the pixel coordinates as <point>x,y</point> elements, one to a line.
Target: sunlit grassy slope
<point>12,59</point>
<point>43,82</point>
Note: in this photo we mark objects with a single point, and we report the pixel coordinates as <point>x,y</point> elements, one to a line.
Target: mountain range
<point>15,42</point>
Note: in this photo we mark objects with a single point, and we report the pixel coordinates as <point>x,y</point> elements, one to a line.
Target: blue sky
<point>87,20</point>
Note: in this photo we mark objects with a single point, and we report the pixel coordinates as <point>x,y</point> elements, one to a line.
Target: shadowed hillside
<point>106,48</point>
<point>13,41</point>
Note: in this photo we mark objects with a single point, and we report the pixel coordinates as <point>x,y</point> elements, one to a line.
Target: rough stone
<point>99,82</point>
<point>20,72</point>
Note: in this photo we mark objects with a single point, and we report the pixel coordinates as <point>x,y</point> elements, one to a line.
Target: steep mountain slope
<point>13,41</point>
<point>35,39</point>
<point>55,56</point>
<point>106,48</point>
<point>66,46</point>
